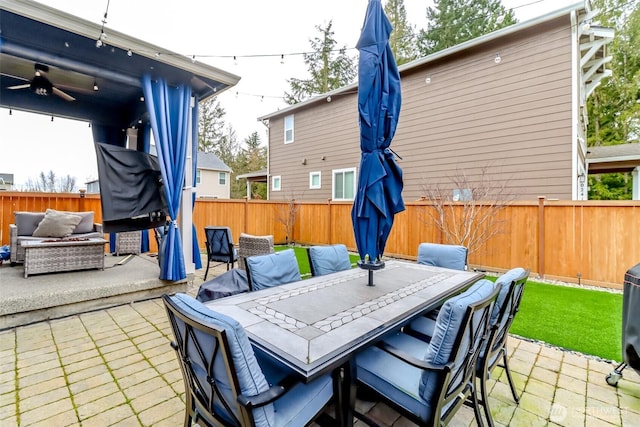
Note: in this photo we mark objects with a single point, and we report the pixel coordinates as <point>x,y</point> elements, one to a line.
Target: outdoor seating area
<point>51,226</point>
<point>120,368</point>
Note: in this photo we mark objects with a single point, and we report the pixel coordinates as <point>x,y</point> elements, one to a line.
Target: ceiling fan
<point>41,85</point>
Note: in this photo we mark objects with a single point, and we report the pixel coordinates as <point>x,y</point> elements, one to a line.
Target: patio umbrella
<point>379,195</point>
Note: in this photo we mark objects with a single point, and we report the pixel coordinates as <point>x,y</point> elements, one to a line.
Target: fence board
<point>591,242</point>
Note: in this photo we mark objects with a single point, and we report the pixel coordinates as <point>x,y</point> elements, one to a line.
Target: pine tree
<point>402,38</point>
<point>328,70</point>
<point>451,22</point>
<point>210,125</point>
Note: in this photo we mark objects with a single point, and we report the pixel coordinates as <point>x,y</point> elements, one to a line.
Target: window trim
<point>319,185</point>
<point>333,183</point>
<point>222,175</point>
<point>286,141</point>
<point>198,176</point>
<point>277,178</point>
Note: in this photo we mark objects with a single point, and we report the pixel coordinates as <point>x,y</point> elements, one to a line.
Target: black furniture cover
<point>631,318</point>
<point>229,283</point>
<point>131,189</point>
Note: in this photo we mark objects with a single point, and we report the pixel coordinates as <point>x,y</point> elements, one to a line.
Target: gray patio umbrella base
<point>371,267</point>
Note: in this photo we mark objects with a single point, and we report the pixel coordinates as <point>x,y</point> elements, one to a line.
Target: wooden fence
<point>588,242</point>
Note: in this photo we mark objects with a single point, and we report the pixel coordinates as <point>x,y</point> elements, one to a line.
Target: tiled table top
<point>315,324</point>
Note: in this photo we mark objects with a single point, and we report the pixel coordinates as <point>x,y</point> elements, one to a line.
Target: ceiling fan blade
<point>26,86</point>
<point>63,95</point>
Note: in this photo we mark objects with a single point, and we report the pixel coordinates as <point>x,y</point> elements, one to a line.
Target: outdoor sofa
<point>50,225</point>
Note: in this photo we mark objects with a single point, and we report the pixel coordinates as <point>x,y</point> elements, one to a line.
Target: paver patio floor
<point>115,367</point>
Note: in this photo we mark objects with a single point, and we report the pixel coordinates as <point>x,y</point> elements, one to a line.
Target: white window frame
<point>333,182</point>
<point>289,126</point>
<point>313,186</point>
<point>276,180</point>
<point>198,177</point>
<point>222,178</point>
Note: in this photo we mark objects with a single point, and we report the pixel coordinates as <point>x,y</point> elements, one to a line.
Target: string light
<point>129,53</point>
<point>103,36</point>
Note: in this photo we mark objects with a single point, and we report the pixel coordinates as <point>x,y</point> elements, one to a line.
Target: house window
<point>197,176</point>
<point>314,180</point>
<point>288,129</point>
<point>276,182</point>
<point>222,178</point>
<point>344,184</point>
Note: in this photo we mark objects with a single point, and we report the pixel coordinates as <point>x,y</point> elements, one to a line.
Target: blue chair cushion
<point>505,281</point>
<point>446,329</point>
<point>446,256</point>
<point>274,269</point>
<point>396,380</point>
<point>250,376</point>
<point>329,259</point>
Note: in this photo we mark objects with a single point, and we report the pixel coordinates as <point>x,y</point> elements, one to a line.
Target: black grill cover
<point>631,318</point>
<point>131,189</point>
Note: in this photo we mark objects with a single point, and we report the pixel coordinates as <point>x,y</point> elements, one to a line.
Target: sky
<point>213,31</point>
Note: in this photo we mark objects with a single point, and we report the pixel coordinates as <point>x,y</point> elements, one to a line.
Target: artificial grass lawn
<point>577,319</point>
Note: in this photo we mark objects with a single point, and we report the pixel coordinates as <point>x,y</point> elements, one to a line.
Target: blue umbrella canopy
<point>379,195</point>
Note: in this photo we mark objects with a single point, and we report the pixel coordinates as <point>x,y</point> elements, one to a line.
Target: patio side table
<point>128,242</point>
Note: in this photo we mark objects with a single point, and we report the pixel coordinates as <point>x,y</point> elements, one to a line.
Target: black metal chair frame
<point>496,345</point>
<point>447,390</point>
<point>198,405</point>
<point>213,233</point>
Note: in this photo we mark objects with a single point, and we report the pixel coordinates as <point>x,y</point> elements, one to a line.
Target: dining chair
<point>328,259</point>
<point>220,247</point>
<point>440,255</point>
<point>250,245</point>
<point>226,384</point>
<point>494,351</point>
<point>265,271</point>
<point>429,382</point>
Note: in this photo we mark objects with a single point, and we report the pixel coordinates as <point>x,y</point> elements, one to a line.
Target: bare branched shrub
<point>287,217</point>
<point>466,211</point>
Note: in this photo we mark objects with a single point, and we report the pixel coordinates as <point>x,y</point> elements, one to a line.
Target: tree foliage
<point>614,108</point>
<point>210,125</point>
<point>251,158</point>
<point>402,39</point>
<point>451,22</point>
<point>49,183</point>
<point>329,68</point>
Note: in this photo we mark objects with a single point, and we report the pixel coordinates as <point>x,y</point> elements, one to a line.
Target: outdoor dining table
<point>317,325</point>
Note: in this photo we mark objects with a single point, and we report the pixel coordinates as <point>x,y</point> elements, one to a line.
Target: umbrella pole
<point>370,267</point>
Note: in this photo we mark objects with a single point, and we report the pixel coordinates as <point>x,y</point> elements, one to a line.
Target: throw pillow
<point>57,224</point>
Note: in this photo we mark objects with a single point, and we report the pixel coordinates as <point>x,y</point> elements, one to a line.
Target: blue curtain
<point>169,116</point>
<point>197,260</point>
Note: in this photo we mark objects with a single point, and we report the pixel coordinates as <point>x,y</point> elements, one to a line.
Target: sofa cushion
<point>57,224</point>
<point>27,222</point>
<point>86,223</point>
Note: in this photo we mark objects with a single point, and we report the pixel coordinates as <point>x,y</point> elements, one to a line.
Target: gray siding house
<point>512,103</point>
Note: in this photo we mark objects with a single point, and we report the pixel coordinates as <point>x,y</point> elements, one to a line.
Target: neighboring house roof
<point>613,158</point>
<point>257,176</point>
<point>210,161</point>
<point>6,178</point>
<point>593,58</point>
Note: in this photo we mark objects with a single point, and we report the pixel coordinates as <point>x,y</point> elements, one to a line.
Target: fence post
<point>329,227</point>
<point>246,214</point>
<point>541,236</point>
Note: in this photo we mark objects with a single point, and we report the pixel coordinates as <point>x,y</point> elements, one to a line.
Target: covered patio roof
<point>98,69</point>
